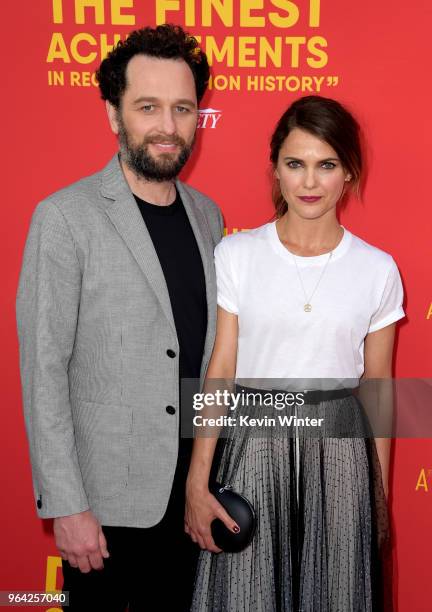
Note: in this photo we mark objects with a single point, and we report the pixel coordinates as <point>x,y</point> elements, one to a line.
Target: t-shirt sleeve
<point>227,296</point>
<point>390,308</point>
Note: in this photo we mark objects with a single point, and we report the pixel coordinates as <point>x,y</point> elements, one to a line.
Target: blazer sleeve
<point>221,224</point>
<point>216,222</point>
<point>47,312</point>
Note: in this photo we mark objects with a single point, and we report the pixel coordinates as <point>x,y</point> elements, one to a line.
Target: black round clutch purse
<point>241,511</point>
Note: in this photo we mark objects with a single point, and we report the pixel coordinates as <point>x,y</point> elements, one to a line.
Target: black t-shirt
<point>181,263</point>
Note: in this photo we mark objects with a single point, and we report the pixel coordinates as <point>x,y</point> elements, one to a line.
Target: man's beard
<point>139,159</point>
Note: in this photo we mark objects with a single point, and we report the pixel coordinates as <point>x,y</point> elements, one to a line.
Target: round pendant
<point>307,307</point>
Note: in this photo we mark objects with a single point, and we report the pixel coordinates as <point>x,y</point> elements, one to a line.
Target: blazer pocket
<point>103,436</point>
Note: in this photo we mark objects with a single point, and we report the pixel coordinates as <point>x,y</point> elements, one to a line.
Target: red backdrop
<point>370,55</point>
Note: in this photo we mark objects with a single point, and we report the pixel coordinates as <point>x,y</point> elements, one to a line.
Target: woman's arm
<point>378,398</point>
<point>201,506</point>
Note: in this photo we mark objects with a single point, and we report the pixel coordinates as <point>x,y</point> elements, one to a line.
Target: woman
<point>302,299</point>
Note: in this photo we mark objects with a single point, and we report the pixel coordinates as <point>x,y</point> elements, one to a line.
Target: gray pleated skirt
<point>322,540</point>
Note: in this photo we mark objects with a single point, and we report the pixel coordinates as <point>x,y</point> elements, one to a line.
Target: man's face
<point>157,119</point>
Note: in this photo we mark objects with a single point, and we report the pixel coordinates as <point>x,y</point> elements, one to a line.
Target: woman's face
<point>310,174</point>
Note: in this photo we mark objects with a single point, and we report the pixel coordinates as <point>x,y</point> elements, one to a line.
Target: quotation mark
<point>332,81</point>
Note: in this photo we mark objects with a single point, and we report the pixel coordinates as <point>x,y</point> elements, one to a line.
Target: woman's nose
<point>310,178</point>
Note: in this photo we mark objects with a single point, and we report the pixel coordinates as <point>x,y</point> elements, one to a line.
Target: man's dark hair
<point>166,41</point>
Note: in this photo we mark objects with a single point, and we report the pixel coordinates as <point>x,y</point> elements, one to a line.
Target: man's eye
<point>147,107</point>
<point>293,164</point>
<point>182,109</point>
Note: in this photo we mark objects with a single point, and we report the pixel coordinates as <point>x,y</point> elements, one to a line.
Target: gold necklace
<point>308,306</point>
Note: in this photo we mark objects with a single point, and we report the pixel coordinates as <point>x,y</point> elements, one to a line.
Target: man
<point>116,303</point>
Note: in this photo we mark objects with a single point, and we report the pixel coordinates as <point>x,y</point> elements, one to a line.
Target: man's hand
<point>80,540</point>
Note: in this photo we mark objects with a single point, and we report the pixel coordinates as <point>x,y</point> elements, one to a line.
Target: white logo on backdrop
<point>208,118</point>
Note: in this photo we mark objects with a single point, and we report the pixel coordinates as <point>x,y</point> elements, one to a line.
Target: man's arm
<point>47,314</point>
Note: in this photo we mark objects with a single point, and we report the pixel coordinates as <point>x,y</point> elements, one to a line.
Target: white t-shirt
<point>360,292</point>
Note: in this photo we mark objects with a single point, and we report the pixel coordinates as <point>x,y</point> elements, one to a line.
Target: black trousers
<point>148,569</point>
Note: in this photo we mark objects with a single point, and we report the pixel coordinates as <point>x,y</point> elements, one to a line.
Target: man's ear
<point>112,116</point>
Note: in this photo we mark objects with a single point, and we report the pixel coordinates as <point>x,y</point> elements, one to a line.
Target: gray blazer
<point>94,325</point>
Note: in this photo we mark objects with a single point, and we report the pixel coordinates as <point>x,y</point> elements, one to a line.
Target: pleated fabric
<point>322,540</point>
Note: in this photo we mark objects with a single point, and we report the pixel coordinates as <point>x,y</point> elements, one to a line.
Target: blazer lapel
<point>205,246</point>
<point>127,219</point>
<point>200,230</point>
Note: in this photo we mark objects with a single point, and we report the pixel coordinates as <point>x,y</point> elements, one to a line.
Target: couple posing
<point>119,299</point>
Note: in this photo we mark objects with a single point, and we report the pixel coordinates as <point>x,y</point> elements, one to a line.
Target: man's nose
<point>168,125</point>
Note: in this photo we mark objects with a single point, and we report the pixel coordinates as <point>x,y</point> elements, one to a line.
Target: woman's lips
<point>310,198</point>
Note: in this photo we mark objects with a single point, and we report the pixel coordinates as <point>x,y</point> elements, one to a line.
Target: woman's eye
<point>328,165</point>
<point>293,164</point>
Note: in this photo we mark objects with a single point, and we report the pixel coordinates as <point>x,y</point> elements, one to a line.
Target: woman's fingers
<point>210,543</point>
<point>229,523</point>
<point>198,522</point>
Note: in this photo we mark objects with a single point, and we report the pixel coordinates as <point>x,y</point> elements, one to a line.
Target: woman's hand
<point>201,509</point>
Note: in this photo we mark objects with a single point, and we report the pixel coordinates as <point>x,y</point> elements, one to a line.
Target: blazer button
<point>170,409</point>
<point>171,353</point>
